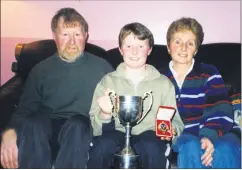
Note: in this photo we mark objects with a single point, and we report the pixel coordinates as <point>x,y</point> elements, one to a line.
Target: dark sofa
<point>225,56</point>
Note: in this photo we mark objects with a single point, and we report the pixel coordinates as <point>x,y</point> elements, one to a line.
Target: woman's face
<point>182,47</point>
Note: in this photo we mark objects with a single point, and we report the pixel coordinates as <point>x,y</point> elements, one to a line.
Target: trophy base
<point>126,161</point>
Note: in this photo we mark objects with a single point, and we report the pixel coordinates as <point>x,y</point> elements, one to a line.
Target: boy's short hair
<point>138,29</point>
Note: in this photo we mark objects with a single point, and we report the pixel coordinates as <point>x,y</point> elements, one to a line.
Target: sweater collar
<point>152,72</point>
<point>79,61</point>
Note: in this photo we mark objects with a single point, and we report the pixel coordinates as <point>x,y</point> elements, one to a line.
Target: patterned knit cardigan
<point>203,101</point>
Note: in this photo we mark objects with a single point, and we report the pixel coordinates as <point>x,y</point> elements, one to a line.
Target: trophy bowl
<point>129,109</point>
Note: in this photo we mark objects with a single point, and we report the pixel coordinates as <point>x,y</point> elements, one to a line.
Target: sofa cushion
<point>32,53</point>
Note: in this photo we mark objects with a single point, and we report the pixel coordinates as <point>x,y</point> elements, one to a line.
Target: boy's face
<point>135,51</point>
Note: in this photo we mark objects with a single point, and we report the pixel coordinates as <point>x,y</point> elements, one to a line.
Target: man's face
<point>135,51</point>
<point>183,47</point>
<point>70,40</point>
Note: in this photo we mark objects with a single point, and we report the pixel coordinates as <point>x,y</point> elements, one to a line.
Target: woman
<point>203,103</point>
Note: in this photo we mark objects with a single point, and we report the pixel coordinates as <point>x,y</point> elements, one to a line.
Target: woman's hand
<point>169,138</point>
<point>207,157</point>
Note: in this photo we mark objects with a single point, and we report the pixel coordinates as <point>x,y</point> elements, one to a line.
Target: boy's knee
<point>105,145</point>
<point>150,147</point>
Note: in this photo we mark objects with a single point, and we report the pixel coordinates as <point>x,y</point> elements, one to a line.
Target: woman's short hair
<point>186,24</point>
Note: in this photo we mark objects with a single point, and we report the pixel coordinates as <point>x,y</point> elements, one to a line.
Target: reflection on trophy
<point>128,111</point>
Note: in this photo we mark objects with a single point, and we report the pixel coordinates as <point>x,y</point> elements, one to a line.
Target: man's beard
<point>71,57</point>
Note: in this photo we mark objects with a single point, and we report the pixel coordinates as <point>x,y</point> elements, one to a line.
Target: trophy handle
<point>113,94</point>
<point>146,94</point>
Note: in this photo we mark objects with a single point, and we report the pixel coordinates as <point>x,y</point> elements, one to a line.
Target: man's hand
<point>207,157</point>
<point>105,104</point>
<point>169,138</point>
<point>9,150</point>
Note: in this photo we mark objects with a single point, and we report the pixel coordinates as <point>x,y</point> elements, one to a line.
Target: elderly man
<point>53,111</point>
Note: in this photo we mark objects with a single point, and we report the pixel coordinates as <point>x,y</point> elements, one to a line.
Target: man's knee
<point>79,121</point>
<point>33,139</point>
<point>35,120</point>
<point>34,125</point>
<point>77,129</point>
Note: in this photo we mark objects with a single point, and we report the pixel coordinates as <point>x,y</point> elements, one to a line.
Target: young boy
<point>132,77</point>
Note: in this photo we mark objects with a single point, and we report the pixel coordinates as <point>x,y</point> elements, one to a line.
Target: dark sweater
<point>60,89</point>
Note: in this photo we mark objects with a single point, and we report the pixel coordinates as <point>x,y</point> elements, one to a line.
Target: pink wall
<point>26,21</point>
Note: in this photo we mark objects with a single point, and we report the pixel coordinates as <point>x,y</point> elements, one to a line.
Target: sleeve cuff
<point>208,133</point>
<point>103,120</point>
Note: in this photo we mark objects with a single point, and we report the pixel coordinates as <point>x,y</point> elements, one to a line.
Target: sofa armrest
<point>9,96</point>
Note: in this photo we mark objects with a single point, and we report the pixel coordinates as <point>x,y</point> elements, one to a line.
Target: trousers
<point>153,152</point>
<point>227,152</point>
<point>63,143</point>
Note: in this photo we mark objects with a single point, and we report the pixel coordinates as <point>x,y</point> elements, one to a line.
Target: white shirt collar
<point>175,74</point>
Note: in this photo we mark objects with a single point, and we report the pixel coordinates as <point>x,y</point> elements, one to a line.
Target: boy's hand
<point>105,104</point>
<point>169,138</point>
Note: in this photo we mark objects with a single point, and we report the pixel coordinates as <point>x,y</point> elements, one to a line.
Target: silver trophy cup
<point>128,110</point>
